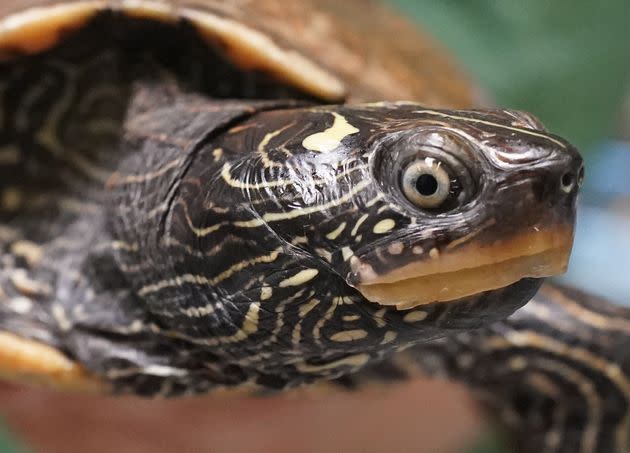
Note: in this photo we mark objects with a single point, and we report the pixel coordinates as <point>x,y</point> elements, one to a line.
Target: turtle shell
<point>329,49</point>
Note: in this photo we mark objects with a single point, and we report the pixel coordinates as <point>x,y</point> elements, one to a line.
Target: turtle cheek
<point>453,257</point>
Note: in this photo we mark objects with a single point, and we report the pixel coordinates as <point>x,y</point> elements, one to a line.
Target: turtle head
<point>306,242</point>
<point>468,202</point>
<point>413,206</point>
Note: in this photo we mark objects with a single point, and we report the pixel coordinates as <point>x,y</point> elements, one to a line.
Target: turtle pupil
<point>426,185</point>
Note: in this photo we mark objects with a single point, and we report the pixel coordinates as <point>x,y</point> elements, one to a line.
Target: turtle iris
<point>426,183</point>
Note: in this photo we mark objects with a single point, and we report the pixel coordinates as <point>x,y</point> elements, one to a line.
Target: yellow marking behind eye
<point>293,213</point>
<point>239,184</point>
<point>331,138</point>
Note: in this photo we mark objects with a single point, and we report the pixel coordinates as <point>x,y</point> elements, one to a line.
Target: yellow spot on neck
<point>250,324</point>
<point>266,292</point>
<point>336,232</point>
<point>347,253</point>
<point>389,336</point>
<point>415,316</point>
<point>300,278</point>
<point>307,307</point>
<point>362,219</point>
<point>349,335</point>
<point>331,138</point>
<point>384,226</point>
<point>217,154</point>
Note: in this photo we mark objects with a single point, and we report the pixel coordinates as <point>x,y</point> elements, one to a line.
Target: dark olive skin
<point>249,262</point>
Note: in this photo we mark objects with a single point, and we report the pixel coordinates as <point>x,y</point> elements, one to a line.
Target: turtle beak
<point>456,273</point>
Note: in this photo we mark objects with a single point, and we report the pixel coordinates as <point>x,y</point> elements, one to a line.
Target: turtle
<point>208,195</point>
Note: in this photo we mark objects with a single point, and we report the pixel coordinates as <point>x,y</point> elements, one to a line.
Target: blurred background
<point>568,62</point>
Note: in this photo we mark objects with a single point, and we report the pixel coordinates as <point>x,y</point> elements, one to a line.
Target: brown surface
<point>352,38</point>
<point>420,417</point>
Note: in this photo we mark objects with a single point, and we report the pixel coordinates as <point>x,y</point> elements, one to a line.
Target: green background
<point>8,443</point>
<point>566,61</point>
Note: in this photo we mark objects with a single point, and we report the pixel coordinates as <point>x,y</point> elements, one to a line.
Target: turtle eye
<point>426,183</point>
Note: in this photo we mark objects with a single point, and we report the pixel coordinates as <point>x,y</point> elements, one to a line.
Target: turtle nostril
<point>567,182</point>
<point>580,177</point>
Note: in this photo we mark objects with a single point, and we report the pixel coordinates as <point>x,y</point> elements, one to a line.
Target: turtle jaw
<point>471,269</point>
